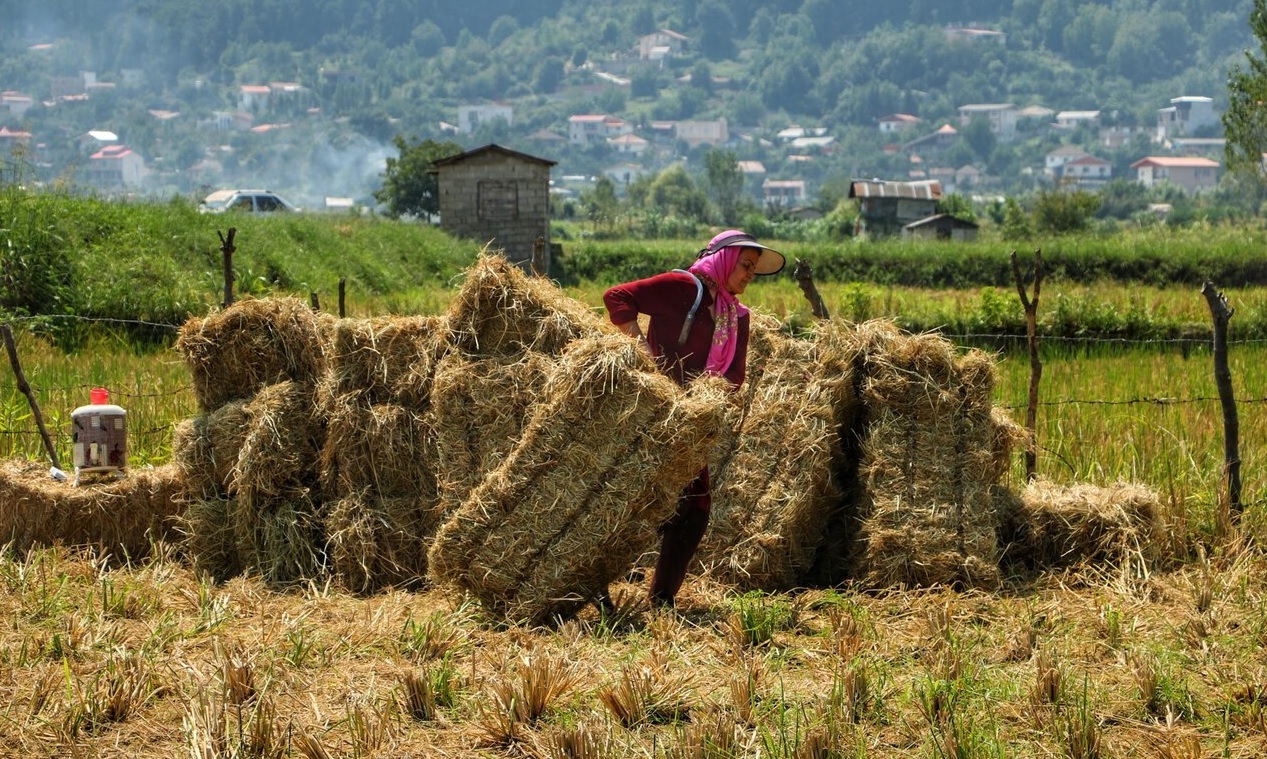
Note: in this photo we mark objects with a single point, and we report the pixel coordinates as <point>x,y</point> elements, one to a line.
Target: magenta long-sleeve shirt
<point>667,299</point>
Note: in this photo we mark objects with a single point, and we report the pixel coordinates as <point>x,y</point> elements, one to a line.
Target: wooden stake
<point>1035,365</point>
<point>11,347</point>
<point>539,256</point>
<point>805,278</point>
<point>1222,314</point>
<point>343,291</point>
<point>226,257</point>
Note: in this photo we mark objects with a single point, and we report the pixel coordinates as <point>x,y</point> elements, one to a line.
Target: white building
<point>471,116</point>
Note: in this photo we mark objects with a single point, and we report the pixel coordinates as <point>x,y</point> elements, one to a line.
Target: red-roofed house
<point>11,137</point>
<point>253,97</point>
<point>1188,172</point>
<point>896,122</point>
<point>629,143</point>
<point>114,167</point>
<point>1087,171</point>
<point>586,128</point>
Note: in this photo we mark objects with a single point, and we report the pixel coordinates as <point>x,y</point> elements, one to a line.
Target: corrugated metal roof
<point>876,188</point>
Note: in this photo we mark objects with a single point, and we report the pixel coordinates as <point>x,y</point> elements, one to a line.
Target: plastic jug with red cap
<point>99,435</point>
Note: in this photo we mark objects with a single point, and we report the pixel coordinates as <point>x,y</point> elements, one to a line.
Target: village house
<point>785,193</point>
<point>471,116</point>
<point>1186,116</point>
<point>589,128</point>
<point>1118,135</point>
<point>96,139</point>
<point>11,138</point>
<point>1002,117</point>
<point>1190,173</point>
<point>629,143</point>
<point>15,103</point>
<point>497,196</point>
<point>885,206</point>
<point>1075,119</point>
<point>941,226</point>
<point>114,167</point>
<point>1086,172</point>
<point>253,97</point>
<point>696,133</point>
<point>1055,159</point>
<point>897,122</point>
<point>661,44</point>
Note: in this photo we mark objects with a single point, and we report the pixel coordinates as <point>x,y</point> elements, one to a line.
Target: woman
<point>696,325</point>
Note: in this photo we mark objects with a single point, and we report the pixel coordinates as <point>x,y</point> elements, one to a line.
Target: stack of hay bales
<point>1051,526</point>
<point>249,455</point>
<point>122,517</point>
<point>482,405</point>
<point>378,458</point>
<point>774,485</point>
<point>607,450</point>
<point>507,330</point>
<point>930,454</point>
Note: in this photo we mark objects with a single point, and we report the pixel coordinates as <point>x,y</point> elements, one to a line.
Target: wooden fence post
<point>1035,364</point>
<point>314,301</point>
<point>12,349</point>
<point>343,291</point>
<point>539,256</point>
<point>226,258</point>
<point>805,278</point>
<point>1222,314</point>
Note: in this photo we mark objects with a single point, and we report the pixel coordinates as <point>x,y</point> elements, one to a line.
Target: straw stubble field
<point>1114,639</point>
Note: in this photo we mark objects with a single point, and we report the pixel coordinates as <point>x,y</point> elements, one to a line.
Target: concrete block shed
<point>498,196</point>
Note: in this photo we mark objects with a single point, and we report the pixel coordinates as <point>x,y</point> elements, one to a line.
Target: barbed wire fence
<point>9,384</point>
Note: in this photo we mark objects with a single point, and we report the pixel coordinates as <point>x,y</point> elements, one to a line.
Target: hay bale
<point>377,543</point>
<point>279,458</point>
<point>598,468</point>
<point>500,311</point>
<point>209,539</point>
<point>1053,525</point>
<point>928,461</point>
<point>386,359</point>
<point>271,510</point>
<point>481,407</point>
<point>205,449</point>
<point>775,493</point>
<point>283,543</point>
<point>122,517</point>
<point>233,353</point>
<point>385,449</point>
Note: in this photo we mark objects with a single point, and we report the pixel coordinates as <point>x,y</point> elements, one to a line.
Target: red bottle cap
<point>99,395</point>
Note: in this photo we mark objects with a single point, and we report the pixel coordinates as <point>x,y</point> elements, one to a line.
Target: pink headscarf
<point>715,270</point>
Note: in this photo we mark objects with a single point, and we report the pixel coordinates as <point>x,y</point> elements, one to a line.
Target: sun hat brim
<point>769,261</point>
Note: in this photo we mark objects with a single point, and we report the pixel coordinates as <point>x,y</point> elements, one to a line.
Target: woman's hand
<point>632,329</point>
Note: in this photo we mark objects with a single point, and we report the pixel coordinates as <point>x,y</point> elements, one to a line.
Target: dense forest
<point>374,69</point>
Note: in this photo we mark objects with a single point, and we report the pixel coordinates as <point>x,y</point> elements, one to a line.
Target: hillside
<point>344,78</point>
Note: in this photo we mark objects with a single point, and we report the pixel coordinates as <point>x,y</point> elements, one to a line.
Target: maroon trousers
<point>680,537</point>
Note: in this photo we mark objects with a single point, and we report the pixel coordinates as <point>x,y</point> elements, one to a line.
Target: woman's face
<point>745,269</point>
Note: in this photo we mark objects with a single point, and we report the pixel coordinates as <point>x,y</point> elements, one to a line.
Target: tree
<point>725,183</point>
<point>1245,121</point>
<point>1058,211</point>
<point>408,187</point>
